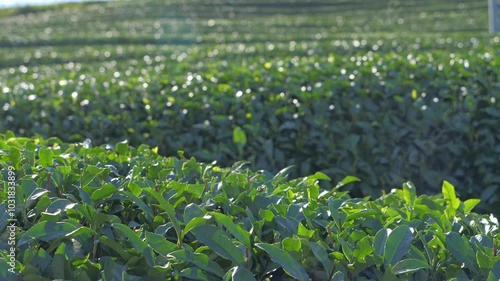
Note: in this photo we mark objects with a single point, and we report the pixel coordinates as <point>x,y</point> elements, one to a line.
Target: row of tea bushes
<point>383,116</point>
<point>124,213</point>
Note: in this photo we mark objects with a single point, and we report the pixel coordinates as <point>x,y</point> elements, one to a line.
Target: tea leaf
<point>397,244</point>
<point>200,260</point>
<point>409,266</point>
<point>290,265</point>
<point>219,243</point>
<point>461,249</point>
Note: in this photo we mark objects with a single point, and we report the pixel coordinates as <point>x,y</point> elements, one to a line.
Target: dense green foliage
<point>120,213</point>
<point>341,88</point>
<point>376,95</point>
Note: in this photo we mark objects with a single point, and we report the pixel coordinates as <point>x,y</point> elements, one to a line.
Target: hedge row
<point>121,213</point>
<point>384,117</point>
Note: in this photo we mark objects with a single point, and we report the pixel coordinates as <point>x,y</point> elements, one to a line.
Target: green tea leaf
<point>194,223</point>
<point>122,148</point>
<point>290,265</point>
<point>106,191</point>
<point>89,174</point>
<point>194,274</point>
<point>380,241</point>
<point>345,181</point>
<point>304,232</point>
<point>449,195</point>
<point>485,261</point>
<point>318,176</point>
<point>338,276</point>
<point>61,269</point>
<point>291,244</point>
<point>219,243</point>
<point>349,179</point>
<point>160,244</point>
<point>268,215</point>
<point>47,231</point>
<point>200,260</point>
<point>347,249</point>
<point>410,266</point>
<point>239,233</point>
<point>397,245</point>
<point>470,204</point>
<point>146,208</point>
<point>169,209</point>
<point>321,254</point>
<point>338,216</point>
<point>494,274</point>
<point>136,242</point>
<point>112,271</point>
<point>115,246</point>
<point>363,248</point>
<point>361,214</point>
<point>242,274</point>
<point>134,188</point>
<point>239,136</point>
<point>46,156</point>
<point>192,211</point>
<point>409,193</point>
<point>461,250</point>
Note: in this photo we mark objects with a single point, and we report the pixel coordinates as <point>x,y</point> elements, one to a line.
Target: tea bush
<point>121,213</point>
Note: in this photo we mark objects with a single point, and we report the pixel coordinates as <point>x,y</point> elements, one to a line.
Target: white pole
<point>493,12</point>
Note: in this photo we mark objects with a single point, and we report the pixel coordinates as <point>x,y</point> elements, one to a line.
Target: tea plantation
<point>250,140</point>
